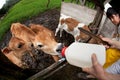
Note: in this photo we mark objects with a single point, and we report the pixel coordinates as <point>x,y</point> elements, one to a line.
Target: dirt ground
<point>50,20</point>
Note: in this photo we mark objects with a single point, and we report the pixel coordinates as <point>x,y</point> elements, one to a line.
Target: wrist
<point>104,76</point>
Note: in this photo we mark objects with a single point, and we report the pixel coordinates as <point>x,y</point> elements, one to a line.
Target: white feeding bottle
<point>79,54</point>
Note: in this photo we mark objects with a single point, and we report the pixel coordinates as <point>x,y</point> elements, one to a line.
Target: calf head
<point>25,33</point>
<point>18,45</point>
<point>45,40</point>
<point>15,51</point>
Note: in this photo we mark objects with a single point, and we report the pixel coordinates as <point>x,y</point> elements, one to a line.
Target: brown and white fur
<point>71,26</point>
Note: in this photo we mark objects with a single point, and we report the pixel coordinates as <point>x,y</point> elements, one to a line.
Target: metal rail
<point>93,36</point>
<point>49,70</point>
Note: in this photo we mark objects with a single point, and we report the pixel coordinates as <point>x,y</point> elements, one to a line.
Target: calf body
<point>71,26</point>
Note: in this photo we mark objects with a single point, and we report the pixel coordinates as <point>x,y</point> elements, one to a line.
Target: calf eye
<point>32,45</point>
<point>40,45</point>
<point>20,45</point>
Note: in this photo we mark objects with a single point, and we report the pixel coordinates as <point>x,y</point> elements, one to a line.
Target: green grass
<point>90,4</point>
<point>24,10</point>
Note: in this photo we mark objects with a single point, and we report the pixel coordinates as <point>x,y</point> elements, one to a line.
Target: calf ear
<point>30,25</point>
<point>6,50</point>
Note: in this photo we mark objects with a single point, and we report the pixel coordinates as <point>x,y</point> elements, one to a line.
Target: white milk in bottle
<point>79,54</point>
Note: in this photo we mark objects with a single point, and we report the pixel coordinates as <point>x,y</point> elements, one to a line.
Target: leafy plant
<point>25,9</point>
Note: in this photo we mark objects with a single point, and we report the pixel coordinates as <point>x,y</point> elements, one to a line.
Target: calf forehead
<point>43,34</point>
<point>45,37</point>
<point>42,31</point>
<point>15,42</point>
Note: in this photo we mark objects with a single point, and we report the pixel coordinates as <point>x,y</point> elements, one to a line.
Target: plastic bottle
<point>79,54</point>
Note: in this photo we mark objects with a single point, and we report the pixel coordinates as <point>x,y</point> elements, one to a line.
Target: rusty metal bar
<point>48,70</point>
<point>93,36</point>
<point>57,69</point>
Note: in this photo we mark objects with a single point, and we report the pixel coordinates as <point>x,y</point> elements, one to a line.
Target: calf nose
<point>32,45</point>
<point>59,48</point>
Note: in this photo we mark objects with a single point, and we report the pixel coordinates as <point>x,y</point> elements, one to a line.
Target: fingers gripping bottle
<point>79,54</point>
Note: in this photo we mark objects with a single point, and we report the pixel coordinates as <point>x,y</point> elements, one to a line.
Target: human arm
<point>113,43</point>
<point>97,71</point>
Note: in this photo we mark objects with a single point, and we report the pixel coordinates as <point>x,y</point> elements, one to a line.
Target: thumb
<point>95,62</point>
<point>94,59</point>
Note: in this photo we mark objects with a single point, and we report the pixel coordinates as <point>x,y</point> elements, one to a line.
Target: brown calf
<point>38,36</point>
<point>15,50</point>
<point>45,41</point>
<point>23,32</point>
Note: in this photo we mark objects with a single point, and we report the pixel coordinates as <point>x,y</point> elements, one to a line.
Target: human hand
<point>106,41</point>
<point>113,43</point>
<point>96,70</point>
<point>109,41</point>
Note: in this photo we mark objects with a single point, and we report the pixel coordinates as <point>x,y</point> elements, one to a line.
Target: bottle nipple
<point>63,51</point>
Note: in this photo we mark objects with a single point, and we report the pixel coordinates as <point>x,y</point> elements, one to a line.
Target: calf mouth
<point>59,48</point>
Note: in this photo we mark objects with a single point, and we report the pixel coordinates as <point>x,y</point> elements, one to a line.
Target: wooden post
<point>95,24</point>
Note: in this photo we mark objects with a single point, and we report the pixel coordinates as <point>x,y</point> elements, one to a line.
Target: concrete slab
<point>86,15</point>
<point>80,13</point>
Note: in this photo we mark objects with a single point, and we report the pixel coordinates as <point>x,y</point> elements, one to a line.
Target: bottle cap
<point>63,51</point>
